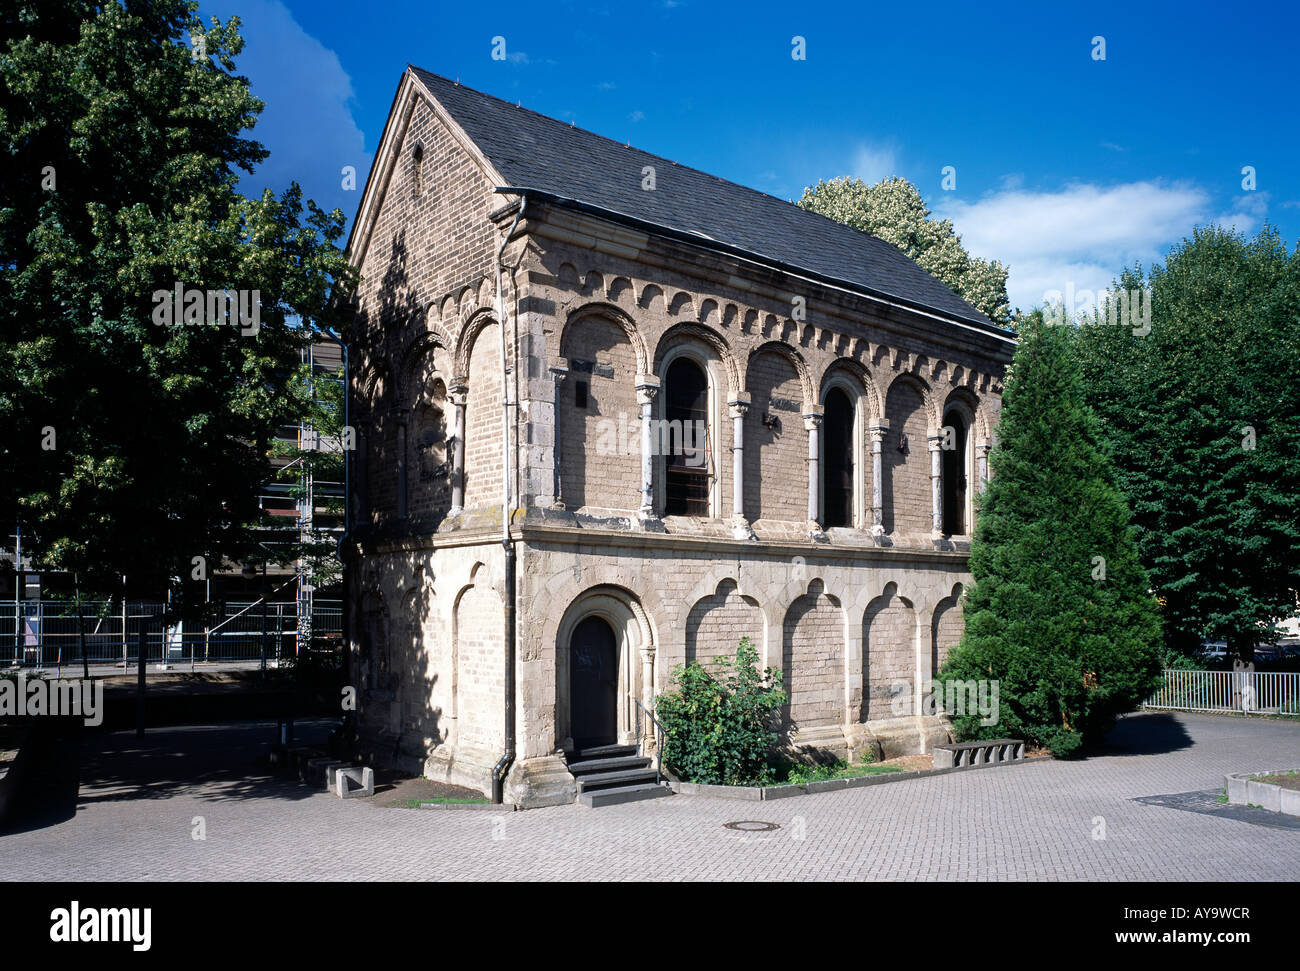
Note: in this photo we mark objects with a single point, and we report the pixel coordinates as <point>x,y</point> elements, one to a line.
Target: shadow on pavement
<point>213,763</point>
<point>1146,733</point>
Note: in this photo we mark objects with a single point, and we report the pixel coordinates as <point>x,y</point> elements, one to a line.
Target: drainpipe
<point>508,547</point>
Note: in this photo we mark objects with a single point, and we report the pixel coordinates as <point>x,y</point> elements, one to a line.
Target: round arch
<point>635,651</point>
<point>687,333</point>
<point>478,320</point>
<point>607,311</point>
<point>796,360</point>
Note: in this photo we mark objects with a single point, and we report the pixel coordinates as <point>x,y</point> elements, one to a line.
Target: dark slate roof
<point>533,151</point>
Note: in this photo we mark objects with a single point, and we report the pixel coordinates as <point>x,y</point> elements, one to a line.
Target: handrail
<point>659,733</point>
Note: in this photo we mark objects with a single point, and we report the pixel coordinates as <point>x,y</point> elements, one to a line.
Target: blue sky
<point>1067,167</point>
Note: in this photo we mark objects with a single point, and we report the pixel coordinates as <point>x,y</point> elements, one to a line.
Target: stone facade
<point>596,312</point>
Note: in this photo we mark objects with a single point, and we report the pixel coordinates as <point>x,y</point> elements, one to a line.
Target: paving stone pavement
<point>137,806</point>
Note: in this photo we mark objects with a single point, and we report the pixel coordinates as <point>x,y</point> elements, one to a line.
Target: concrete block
<point>363,776</point>
<point>1264,795</point>
<point>1235,783</point>
<point>1290,801</point>
<point>331,774</point>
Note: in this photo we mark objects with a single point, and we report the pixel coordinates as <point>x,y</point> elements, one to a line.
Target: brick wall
<point>716,624</point>
<point>776,460</point>
<point>424,243</point>
<point>483,421</point>
<point>480,664</point>
<point>946,631</point>
<point>888,644</point>
<point>813,660</point>
<point>428,460</point>
<point>600,444</point>
<point>905,478</point>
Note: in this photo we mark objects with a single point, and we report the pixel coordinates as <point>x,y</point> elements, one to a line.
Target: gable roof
<point>532,151</point>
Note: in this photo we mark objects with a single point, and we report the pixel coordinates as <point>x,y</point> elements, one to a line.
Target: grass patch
<point>1287,780</point>
<point>1223,795</point>
<point>450,801</point>
<point>793,774</point>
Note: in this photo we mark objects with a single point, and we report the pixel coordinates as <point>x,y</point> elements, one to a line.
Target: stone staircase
<point>608,775</point>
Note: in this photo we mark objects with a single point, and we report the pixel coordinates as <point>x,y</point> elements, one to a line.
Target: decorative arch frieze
<point>616,316</point>
<point>796,360</point>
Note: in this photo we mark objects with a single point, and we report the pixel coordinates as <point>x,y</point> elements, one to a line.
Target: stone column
<point>647,386</point>
<point>936,485</point>
<point>877,434</point>
<point>982,466</point>
<point>738,406</point>
<point>648,697</point>
<point>560,372</point>
<point>458,394</point>
<point>812,420</point>
<point>402,420</point>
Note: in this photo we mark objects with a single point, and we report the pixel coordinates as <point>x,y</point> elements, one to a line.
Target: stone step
<point>608,780</point>
<point>622,794</point>
<point>604,751</point>
<point>609,765</point>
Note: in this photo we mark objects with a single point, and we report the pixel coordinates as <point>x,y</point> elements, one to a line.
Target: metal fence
<point>45,633</point>
<point>1246,692</point>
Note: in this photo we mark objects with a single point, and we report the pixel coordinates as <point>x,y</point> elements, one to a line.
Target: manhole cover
<point>751,826</point>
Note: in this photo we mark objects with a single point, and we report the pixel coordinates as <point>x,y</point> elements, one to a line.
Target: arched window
<point>954,475</point>
<point>683,439</point>
<point>837,469</point>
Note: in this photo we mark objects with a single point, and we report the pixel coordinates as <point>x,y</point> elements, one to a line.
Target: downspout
<point>507,544</point>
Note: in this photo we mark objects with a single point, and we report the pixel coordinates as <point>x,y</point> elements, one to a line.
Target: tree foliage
<point>894,211</point>
<point>1059,613</point>
<point>719,727</point>
<point>130,447</point>
<point>1202,418</point>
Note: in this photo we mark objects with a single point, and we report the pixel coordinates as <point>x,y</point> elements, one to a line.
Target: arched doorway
<point>593,683</point>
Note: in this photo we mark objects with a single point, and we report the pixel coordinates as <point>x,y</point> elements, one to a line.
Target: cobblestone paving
<point>137,808</point>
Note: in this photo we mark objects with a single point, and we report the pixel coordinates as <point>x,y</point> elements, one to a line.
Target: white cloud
<point>307,125</point>
<point>872,163</point>
<point>1084,235</point>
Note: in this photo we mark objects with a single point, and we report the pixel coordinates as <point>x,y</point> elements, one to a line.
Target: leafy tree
<point>894,211</point>
<point>1059,613</point>
<point>719,729</point>
<point>1202,418</point>
<point>133,447</point>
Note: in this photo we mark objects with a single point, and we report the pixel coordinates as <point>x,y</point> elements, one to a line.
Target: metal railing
<point>659,738</point>
<point>1245,692</point>
<point>47,634</point>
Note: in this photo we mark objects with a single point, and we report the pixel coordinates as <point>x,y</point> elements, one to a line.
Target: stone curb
<point>764,793</point>
<point>480,806</point>
<point>1243,791</point>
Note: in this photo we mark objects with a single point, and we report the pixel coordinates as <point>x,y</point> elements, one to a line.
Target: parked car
<point>1214,650</point>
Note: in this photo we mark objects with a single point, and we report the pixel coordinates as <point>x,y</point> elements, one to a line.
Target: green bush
<point>720,728</point>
